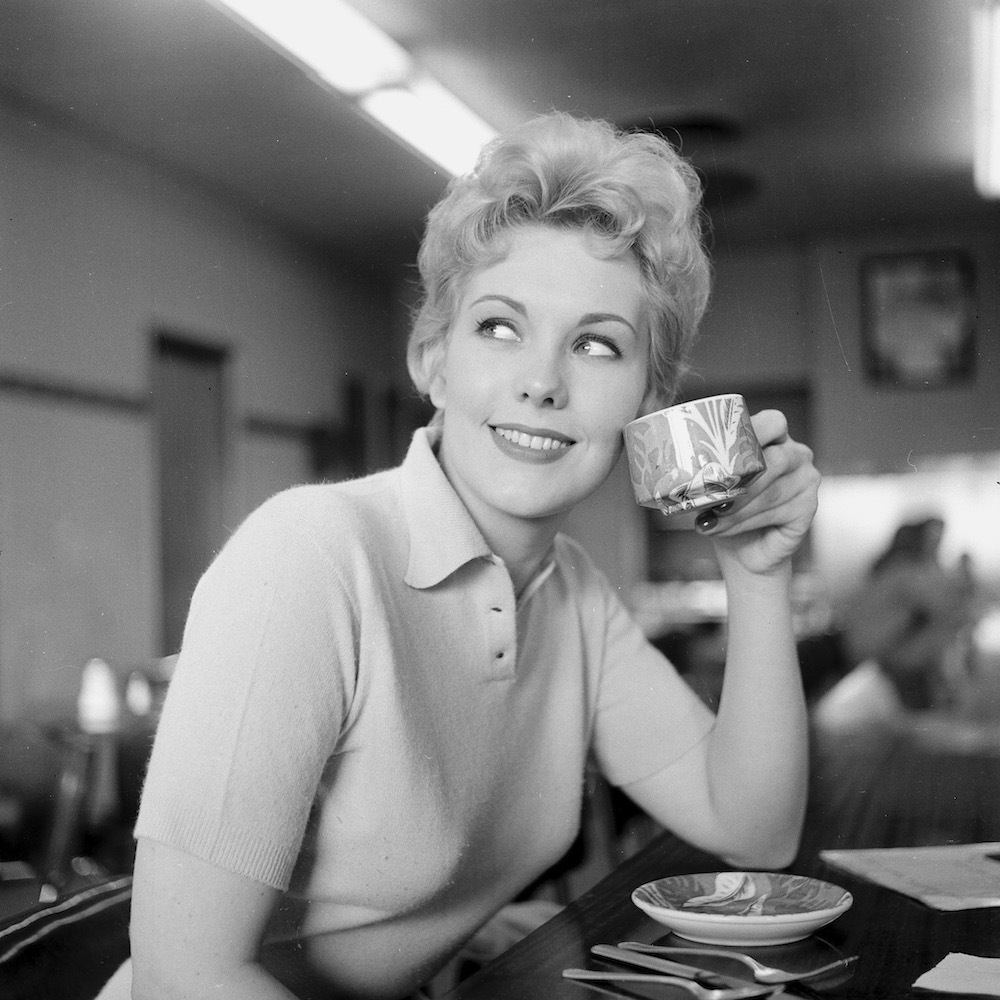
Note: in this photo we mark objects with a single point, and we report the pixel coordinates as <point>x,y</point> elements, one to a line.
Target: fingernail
<point>707,520</point>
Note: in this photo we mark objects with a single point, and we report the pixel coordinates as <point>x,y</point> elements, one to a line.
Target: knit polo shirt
<point>364,717</point>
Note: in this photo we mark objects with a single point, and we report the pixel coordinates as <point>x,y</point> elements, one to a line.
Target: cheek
<point>469,381</point>
<point>619,406</point>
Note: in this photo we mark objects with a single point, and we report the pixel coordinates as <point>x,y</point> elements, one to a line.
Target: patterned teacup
<point>693,455</point>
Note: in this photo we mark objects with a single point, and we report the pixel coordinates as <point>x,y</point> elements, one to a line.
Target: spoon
<point>696,989</point>
<point>762,973</point>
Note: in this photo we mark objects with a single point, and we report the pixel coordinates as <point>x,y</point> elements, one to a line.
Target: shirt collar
<point>538,579</point>
<point>443,536</point>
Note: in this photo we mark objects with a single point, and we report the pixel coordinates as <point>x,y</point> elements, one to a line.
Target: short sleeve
<point>255,705</point>
<point>647,716</point>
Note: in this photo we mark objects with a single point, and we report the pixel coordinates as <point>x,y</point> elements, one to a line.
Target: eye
<point>597,347</point>
<point>497,329</point>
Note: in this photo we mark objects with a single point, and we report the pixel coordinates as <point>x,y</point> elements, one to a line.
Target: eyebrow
<point>606,317</point>
<point>585,320</point>
<point>518,307</point>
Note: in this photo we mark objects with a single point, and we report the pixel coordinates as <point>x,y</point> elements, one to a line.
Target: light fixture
<point>335,44</point>
<point>432,120</point>
<point>986,96</point>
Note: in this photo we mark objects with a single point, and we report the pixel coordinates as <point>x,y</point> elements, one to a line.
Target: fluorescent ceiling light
<point>330,38</point>
<point>342,49</point>
<point>432,120</point>
<point>986,96</point>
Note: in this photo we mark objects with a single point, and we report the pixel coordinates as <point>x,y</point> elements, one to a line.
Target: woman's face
<point>546,361</point>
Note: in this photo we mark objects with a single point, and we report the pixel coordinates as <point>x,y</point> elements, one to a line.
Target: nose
<point>542,379</point>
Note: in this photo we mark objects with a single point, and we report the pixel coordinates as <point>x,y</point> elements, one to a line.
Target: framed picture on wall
<point>919,318</point>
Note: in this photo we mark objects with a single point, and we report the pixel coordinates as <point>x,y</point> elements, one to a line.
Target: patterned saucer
<point>742,908</point>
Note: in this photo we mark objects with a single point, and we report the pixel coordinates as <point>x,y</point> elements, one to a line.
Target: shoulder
<point>319,501</point>
<point>325,526</point>
<point>323,511</point>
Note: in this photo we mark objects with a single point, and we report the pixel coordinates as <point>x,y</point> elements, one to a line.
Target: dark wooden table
<point>882,789</point>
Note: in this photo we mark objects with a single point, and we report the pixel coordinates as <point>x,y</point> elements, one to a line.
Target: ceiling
<point>806,117</point>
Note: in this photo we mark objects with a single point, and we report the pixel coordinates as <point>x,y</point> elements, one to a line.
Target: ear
<point>436,390</point>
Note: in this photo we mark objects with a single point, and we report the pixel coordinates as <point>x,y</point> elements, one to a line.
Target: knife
<point>705,977</point>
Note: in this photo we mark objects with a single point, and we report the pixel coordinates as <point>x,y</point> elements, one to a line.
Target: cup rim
<point>689,402</point>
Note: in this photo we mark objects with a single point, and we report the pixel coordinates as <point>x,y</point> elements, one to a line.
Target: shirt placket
<point>501,623</point>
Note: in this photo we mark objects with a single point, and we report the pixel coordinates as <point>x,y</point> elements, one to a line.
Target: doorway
<point>189,399</point>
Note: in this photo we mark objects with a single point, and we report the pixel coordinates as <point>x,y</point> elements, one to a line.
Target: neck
<point>523,556</point>
<point>521,542</point>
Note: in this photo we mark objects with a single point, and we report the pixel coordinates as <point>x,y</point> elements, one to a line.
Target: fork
<point>762,973</point>
<point>695,989</point>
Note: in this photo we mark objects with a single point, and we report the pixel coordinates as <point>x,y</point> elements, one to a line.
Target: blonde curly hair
<point>630,190</point>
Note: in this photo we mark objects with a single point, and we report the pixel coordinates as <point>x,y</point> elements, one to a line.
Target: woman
<point>388,689</point>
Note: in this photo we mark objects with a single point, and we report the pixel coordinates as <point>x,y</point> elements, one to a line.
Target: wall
<point>869,428</point>
<point>98,253</point>
<point>795,315</point>
<point>757,325</point>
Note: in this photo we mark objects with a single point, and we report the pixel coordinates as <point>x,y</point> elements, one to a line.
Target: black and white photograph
<point>499,499</point>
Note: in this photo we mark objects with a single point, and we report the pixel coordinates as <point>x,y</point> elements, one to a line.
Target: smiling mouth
<point>534,442</point>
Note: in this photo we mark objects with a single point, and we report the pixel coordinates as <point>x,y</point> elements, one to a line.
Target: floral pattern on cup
<point>693,455</point>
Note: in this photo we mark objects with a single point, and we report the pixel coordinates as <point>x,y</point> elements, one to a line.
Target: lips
<point>531,443</point>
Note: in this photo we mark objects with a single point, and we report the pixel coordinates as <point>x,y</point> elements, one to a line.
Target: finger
<point>772,500</point>
<point>706,520</point>
<point>782,459</point>
<point>770,426</point>
<point>792,517</point>
<point>788,471</point>
<point>785,503</point>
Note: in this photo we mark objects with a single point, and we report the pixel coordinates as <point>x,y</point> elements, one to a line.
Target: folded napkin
<point>958,973</point>
<point>952,877</point>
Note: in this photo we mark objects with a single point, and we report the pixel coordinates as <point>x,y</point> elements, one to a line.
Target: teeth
<point>535,442</point>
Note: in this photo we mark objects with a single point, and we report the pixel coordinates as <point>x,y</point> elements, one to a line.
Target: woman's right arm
<point>252,714</point>
<point>196,929</point>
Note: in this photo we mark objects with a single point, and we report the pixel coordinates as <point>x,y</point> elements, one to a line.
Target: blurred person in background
<point>910,614</point>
